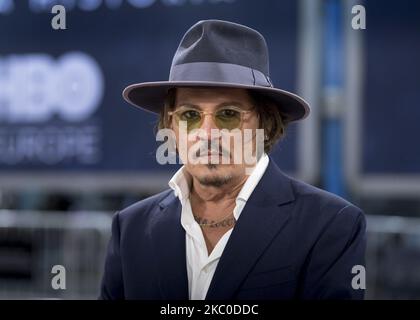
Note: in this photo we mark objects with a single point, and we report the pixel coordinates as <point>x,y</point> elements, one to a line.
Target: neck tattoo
<point>225,222</point>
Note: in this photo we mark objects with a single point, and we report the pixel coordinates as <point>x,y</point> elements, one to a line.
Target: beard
<point>214,181</point>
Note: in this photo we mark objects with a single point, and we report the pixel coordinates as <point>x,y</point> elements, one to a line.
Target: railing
<point>31,243</point>
<point>393,257</point>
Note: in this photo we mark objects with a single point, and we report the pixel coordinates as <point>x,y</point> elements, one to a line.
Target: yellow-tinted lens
<point>192,117</point>
<point>228,119</point>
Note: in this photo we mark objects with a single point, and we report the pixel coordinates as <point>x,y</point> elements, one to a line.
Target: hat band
<point>219,72</point>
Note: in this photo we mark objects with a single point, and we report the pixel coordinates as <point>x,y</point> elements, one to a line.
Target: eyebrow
<point>220,105</point>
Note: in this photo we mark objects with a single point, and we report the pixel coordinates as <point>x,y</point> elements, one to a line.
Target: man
<point>241,230</point>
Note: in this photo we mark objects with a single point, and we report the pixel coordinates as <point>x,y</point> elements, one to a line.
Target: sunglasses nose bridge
<point>207,122</point>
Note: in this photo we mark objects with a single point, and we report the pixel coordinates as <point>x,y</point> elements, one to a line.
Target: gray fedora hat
<point>215,53</point>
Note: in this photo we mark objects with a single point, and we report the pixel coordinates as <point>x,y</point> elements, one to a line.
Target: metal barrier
<point>31,243</point>
<point>393,257</point>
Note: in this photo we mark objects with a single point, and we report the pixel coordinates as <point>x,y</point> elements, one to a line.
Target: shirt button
<point>206,269</point>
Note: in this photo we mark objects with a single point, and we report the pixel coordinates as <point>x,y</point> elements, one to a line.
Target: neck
<point>227,192</point>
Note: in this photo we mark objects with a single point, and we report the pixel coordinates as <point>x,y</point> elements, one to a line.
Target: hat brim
<point>150,96</point>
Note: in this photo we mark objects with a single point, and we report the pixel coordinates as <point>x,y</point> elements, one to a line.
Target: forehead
<point>211,95</point>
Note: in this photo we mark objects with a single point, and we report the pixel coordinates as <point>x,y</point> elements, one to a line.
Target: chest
<point>213,235</point>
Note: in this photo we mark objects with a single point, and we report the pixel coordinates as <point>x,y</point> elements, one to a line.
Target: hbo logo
<point>35,87</point>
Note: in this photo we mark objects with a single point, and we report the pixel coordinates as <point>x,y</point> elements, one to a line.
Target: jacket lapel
<point>169,241</point>
<point>262,218</point>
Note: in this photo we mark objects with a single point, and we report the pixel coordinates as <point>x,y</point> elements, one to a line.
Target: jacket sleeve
<point>112,287</point>
<point>340,247</point>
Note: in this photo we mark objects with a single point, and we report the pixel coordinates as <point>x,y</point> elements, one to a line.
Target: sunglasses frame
<point>212,113</point>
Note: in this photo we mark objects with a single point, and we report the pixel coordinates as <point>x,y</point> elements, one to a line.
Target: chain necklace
<point>213,223</point>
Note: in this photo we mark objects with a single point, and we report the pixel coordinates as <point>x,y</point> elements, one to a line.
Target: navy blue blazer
<point>292,241</point>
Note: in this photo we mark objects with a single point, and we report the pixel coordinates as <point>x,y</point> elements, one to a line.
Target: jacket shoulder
<point>145,206</point>
<point>322,203</point>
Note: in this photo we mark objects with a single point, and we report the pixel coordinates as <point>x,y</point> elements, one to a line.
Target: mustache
<point>203,149</point>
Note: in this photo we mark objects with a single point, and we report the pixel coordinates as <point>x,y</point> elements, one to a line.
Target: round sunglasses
<point>229,118</point>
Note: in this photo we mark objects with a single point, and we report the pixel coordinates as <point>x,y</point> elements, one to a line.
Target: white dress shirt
<point>200,265</point>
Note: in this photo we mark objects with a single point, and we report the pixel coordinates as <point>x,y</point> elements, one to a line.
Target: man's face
<point>209,101</point>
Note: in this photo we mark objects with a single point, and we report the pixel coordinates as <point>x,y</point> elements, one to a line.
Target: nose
<point>206,136</point>
<point>208,124</point>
